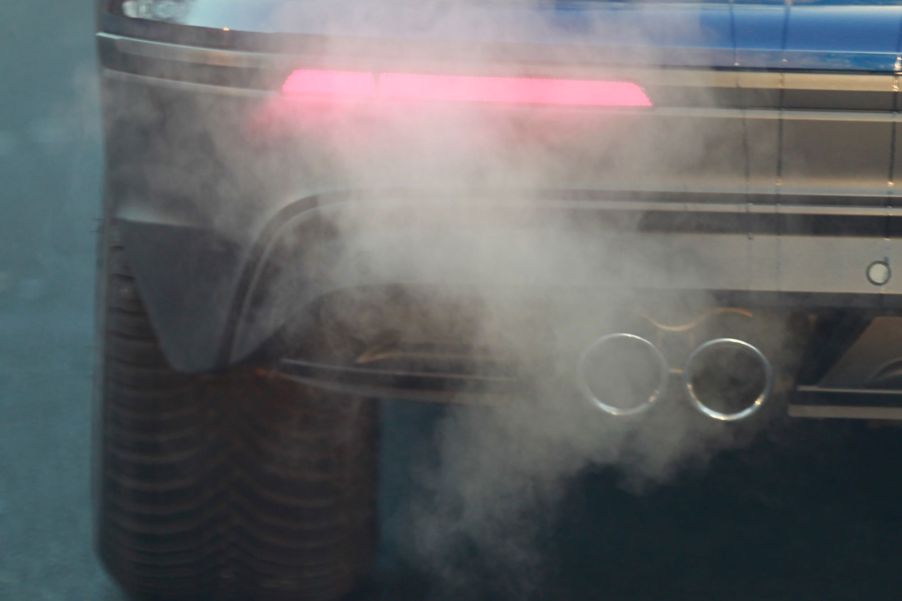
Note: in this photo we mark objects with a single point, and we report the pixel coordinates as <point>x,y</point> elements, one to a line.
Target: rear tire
<point>226,486</point>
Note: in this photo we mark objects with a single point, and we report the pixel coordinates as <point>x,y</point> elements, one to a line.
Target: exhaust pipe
<point>728,379</point>
<point>622,374</point>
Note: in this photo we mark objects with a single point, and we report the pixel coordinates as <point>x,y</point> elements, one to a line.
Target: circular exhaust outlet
<point>622,374</point>
<point>728,379</point>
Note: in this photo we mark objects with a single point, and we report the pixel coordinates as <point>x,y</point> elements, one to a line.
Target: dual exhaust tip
<point>726,379</point>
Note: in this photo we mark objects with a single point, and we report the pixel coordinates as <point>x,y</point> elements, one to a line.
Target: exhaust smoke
<point>489,174</point>
<point>457,197</point>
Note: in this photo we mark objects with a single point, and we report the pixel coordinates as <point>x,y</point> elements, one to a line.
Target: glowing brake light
<point>362,85</point>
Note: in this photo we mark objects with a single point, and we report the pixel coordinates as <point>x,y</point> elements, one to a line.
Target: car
<point>310,206</point>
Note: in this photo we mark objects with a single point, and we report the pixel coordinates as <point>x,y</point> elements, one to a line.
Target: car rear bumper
<point>239,213</point>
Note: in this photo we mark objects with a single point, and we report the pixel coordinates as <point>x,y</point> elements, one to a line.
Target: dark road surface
<point>815,513</point>
<point>49,190</point>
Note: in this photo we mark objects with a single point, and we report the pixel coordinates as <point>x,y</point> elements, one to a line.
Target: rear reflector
<point>360,85</point>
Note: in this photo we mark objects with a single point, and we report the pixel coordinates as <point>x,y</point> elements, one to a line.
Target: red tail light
<point>312,83</point>
<point>361,85</point>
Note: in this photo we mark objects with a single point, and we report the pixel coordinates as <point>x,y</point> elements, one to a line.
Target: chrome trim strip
<point>876,392</point>
<point>844,412</point>
<point>732,208</point>
<point>843,82</point>
<point>776,114</point>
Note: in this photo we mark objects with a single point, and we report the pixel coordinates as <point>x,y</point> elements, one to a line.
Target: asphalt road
<point>49,191</point>
<point>815,513</point>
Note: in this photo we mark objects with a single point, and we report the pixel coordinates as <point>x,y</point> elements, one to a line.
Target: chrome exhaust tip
<point>728,379</point>
<point>622,374</point>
